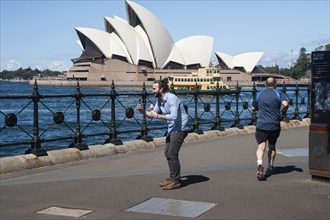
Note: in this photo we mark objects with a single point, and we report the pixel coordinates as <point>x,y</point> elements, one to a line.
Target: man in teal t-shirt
<point>268,102</point>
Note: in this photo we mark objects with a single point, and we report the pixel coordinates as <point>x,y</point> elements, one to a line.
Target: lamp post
<point>291,59</point>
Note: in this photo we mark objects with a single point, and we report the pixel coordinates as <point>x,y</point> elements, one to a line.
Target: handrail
<point>118,120</point>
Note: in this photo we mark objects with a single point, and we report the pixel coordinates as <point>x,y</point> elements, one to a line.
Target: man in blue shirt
<point>169,107</point>
<point>268,103</point>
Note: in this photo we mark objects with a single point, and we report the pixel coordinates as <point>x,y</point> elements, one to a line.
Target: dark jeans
<point>172,148</point>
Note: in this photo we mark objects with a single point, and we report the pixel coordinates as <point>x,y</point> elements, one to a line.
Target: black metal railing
<point>47,121</point>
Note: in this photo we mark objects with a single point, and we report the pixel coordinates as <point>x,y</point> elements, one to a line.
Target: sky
<point>41,33</point>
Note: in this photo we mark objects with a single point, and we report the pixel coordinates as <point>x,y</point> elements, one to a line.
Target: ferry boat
<point>205,79</point>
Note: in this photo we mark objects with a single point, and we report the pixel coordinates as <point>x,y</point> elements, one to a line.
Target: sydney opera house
<point>142,49</point>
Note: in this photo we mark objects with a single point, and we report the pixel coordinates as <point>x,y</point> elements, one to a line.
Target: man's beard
<point>158,94</point>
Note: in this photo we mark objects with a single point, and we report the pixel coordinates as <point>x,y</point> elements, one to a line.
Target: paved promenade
<point>217,172</point>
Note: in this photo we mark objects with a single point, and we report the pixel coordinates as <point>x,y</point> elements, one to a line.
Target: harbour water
<point>97,131</point>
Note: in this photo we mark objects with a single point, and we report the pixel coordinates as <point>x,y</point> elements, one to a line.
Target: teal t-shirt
<point>269,105</point>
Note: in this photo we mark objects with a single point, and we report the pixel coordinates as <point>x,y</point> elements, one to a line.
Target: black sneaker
<point>260,173</point>
<point>269,171</point>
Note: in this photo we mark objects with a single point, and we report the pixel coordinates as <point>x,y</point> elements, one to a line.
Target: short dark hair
<point>162,84</point>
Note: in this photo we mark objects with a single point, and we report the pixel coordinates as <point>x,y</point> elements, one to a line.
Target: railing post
<point>217,123</point>
<point>309,89</point>
<point>284,114</point>
<point>196,123</point>
<point>77,140</point>
<point>113,132</point>
<point>144,129</point>
<point>296,112</point>
<point>36,142</point>
<point>237,119</point>
<point>254,113</point>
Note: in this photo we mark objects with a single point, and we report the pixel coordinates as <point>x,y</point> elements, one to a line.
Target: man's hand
<point>151,107</point>
<point>139,106</point>
<point>140,109</point>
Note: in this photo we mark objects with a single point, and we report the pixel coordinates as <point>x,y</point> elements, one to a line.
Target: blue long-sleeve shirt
<point>172,108</point>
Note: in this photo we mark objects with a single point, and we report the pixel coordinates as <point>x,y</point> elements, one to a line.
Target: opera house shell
<point>141,49</point>
<point>138,49</point>
<point>245,61</point>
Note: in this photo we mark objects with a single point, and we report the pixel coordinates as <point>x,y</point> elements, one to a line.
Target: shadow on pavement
<point>286,169</point>
<point>192,179</point>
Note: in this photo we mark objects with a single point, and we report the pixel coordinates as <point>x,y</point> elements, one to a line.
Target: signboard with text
<point>320,100</point>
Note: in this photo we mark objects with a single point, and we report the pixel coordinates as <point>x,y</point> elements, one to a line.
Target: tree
<point>302,65</point>
<point>327,47</point>
<point>27,73</point>
<point>285,72</point>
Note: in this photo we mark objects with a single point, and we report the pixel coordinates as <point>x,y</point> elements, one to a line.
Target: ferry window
<point>229,79</point>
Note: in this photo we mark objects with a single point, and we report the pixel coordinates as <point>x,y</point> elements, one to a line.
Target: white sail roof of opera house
<point>160,39</point>
<point>136,44</point>
<point>246,60</point>
<point>144,37</point>
<point>108,44</point>
<point>184,52</point>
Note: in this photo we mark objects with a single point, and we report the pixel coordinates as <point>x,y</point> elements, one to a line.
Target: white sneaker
<point>260,173</point>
